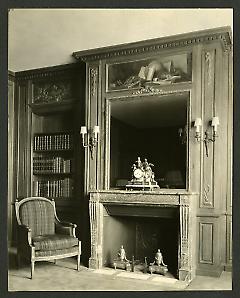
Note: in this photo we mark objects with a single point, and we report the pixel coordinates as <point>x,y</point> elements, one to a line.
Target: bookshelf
<point>56,157</point>
<point>53,165</point>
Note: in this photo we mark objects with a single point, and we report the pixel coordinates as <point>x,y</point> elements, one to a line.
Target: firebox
<point>142,231</point>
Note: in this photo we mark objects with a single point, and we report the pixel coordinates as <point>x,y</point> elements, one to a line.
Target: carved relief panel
<point>208,111</point>
<point>56,91</point>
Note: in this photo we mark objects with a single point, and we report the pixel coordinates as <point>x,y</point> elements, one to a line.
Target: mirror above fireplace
<point>153,128</point>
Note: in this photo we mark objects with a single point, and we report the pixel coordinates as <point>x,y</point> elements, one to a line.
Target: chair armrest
<point>66,228</point>
<point>24,237</point>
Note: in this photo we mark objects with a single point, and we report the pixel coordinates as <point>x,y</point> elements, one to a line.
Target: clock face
<point>138,173</point>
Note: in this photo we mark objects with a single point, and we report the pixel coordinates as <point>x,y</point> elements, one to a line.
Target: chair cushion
<point>54,242</point>
<point>59,252</point>
<point>39,216</point>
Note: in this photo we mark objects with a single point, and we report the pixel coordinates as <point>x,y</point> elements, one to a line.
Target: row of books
<point>53,142</point>
<point>54,188</point>
<point>43,164</point>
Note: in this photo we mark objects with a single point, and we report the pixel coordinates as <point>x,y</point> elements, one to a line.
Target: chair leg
<point>32,268</point>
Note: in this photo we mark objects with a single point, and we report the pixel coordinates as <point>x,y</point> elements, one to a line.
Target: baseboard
<point>228,267</point>
<point>212,273</point>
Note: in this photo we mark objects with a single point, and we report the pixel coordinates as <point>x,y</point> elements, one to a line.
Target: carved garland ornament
<point>53,92</point>
<point>206,193</point>
<point>93,75</point>
<point>209,64</point>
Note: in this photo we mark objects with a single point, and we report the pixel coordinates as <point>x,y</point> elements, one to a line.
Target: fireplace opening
<point>142,234</point>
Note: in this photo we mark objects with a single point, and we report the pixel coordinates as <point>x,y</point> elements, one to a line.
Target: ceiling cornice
<point>222,34</point>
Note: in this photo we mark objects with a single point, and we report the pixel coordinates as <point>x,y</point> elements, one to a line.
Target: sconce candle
<point>197,125</point>
<point>215,123</point>
<point>83,130</point>
<point>96,131</point>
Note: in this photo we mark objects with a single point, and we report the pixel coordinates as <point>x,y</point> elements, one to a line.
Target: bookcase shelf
<point>53,158</point>
<point>51,174</point>
<point>53,151</point>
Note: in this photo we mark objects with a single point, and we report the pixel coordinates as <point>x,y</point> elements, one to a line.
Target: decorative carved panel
<point>93,78</point>
<point>46,92</point>
<point>94,226</point>
<point>208,108</point>
<point>184,236</point>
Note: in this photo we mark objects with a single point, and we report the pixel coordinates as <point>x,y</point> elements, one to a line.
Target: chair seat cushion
<point>66,252</point>
<point>54,242</point>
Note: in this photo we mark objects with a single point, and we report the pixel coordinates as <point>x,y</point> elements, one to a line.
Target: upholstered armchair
<point>41,236</point>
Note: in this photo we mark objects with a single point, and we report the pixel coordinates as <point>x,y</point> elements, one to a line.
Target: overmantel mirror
<point>153,128</point>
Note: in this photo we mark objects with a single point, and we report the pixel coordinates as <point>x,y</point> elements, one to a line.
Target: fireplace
<point>143,223</point>
<point>142,231</point>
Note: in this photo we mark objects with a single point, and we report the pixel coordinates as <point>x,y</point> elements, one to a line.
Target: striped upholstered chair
<point>41,236</point>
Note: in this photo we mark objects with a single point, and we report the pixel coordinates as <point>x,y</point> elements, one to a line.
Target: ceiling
<point>152,111</point>
<point>46,37</point>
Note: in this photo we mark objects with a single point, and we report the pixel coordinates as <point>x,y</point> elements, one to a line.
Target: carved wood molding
<point>206,192</point>
<point>157,44</point>
<point>67,70</point>
<point>93,80</point>
<point>142,199</point>
<point>94,223</point>
<point>158,91</point>
<point>209,66</point>
<point>184,233</point>
<point>11,76</point>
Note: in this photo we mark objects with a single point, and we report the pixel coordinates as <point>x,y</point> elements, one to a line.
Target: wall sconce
<point>197,125</point>
<point>207,138</point>
<point>90,139</point>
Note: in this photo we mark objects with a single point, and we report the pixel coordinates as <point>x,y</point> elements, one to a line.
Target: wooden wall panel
<point>229,240</point>
<point>23,158</point>
<point>206,243</point>
<point>209,246</point>
<point>11,157</point>
<point>92,107</point>
<point>208,67</point>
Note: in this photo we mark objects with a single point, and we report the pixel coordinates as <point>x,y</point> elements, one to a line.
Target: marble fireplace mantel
<point>182,199</point>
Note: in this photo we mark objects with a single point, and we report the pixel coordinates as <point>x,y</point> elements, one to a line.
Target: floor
<point>63,276</point>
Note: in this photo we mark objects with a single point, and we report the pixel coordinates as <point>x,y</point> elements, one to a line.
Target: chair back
<point>38,214</point>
